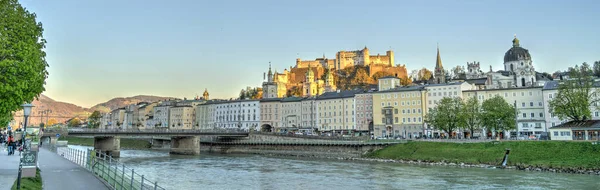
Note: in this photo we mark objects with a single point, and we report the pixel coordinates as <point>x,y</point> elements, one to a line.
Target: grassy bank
<point>549,154</point>
<point>34,183</point>
<point>125,143</point>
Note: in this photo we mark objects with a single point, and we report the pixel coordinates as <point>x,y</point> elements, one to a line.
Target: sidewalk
<point>9,168</point>
<point>58,173</point>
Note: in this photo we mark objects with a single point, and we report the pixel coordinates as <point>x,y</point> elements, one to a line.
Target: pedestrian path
<point>9,168</point>
<point>59,173</point>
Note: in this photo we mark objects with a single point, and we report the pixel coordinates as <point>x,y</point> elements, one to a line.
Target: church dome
<point>516,52</point>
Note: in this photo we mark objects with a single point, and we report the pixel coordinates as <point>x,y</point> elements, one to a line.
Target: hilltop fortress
<point>314,77</point>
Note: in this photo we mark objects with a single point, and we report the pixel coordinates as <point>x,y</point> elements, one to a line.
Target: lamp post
<point>26,111</point>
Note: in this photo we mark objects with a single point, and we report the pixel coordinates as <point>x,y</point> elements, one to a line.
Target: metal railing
<point>114,173</point>
<point>234,131</point>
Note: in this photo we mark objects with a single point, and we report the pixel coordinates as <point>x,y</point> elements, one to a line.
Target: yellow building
<point>270,114</point>
<point>144,115</point>
<point>336,111</point>
<point>399,112</point>
<point>181,117</point>
<point>388,82</point>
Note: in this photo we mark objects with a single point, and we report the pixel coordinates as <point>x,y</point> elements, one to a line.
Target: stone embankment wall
<point>291,149</point>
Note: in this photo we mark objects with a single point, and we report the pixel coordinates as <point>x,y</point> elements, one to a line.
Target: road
<point>59,173</point>
<point>9,168</point>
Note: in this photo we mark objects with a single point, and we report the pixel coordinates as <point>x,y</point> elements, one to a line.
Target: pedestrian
<point>11,144</point>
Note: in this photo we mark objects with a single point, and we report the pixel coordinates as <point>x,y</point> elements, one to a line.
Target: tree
<point>470,115</point>
<point>74,122</point>
<point>22,58</point>
<point>294,91</point>
<point>498,115</point>
<point>425,74</point>
<point>51,122</point>
<point>446,115</point>
<point>576,95</point>
<point>405,81</point>
<point>597,68</point>
<point>95,119</point>
<point>242,94</point>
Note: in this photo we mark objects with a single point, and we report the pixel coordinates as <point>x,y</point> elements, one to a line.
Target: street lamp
<point>26,111</point>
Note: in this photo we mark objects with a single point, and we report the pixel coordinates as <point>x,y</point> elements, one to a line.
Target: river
<point>219,171</point>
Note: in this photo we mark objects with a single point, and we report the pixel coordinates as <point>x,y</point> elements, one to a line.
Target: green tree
<point>597,68</point>
<point>22,58</point>
<point>498,115</point>
<point>94,119</point>
<point>576,95</point>
<point>470,115</point>
<point>242,94</point>
<point>74,122</point>
<point>405,81</point>
<point>446,115</point>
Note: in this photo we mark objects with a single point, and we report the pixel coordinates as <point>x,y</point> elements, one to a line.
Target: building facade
<point>364,113</point>
<point>238,114</point>
<point>436,92</point>
<point>388,82</point>
<point>270,114</point>
<point>399,112</point>
<point>291,113</point>
<point>336,112</point>
<point>181,117</point>
<point>308,114</point>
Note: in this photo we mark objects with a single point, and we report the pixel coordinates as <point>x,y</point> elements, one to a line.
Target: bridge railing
<point>157,131</point>
<point>114,173</point>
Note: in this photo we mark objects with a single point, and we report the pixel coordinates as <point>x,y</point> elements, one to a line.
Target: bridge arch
<point>266,128</point>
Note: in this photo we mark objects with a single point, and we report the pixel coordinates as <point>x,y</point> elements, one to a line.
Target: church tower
<point>205,94</point>
<point>439,73</point>
<point>329,81</point>
<point>269,86</point>
<point>310,86</point>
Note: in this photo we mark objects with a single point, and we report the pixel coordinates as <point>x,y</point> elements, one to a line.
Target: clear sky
<point>102,49</point>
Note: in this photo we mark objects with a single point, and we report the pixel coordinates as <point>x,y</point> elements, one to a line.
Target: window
<point>532,115</point>
<point>555,133</point>
<point>506,94</point>
<point>395,103</point>
<point>524,115</point>
<point>538,125</point>
<point>531,104</point>
<point>382,96</point>
<point>430,102</point>
<point>523,93</point>
<point>403,103</point>
<point>389,96</point>
<point>409,119</point>
<point>596,113</point>
<point>522,104</point>
<point>550,96</point>
<point>419,110</point>
<point>530,93</point>
<point>403,120</point>
<point>395,95</point>
<point>419,119</point>
<point>403,111</point>
<point>396,120</point>
<point>455,93</point>
<point>414,110</point>
<point>541,115</point>
<point>395,111</point>
<point>514,94</point>
<point>539,103</point>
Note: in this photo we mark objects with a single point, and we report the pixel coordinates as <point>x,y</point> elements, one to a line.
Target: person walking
<point>11,145</point>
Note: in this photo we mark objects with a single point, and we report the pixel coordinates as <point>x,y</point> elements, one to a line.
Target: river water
<point>219,171</point>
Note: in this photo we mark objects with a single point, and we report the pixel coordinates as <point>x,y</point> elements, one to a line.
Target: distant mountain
<point>122,102</point>
<point>62,111</point>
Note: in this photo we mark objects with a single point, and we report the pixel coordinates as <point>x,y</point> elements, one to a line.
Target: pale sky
<point>102,49</point>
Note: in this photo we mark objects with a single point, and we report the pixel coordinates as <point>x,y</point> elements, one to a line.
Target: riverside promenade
<point>59,173</point>
<point>9,168</point>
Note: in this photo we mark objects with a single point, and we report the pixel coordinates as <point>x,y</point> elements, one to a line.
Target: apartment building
<point>291,108</point>
<point>435,93</point>
<point>237,114</point>
<point>181,117</point>
<point>336,111</point>
<point>399,112</point>
<point>309,114</point>
<point>364,113</point>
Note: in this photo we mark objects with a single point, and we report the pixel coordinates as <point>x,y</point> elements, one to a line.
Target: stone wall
<point>301,150</point>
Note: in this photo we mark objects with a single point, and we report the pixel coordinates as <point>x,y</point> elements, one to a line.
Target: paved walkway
<point>9,168</point>
<point>58,174</point>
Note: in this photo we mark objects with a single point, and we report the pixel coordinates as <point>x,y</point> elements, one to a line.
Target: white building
<point>529,103</point>
<point>291,113</point>
<point>388,82</point>
<point>435,93</point>
<point>238,114</point>
<point>309,114</point>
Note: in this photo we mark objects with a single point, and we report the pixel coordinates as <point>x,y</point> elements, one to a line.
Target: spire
<point>270,73</point>
<point>515,41</point>
<point>438,62</point>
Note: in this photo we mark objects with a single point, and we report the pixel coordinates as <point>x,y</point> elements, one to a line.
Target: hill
<point>122,102</point>
<point>62,111</point>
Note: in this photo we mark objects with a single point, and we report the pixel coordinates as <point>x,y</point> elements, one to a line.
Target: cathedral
<point>277,86</point>
<point>518,70</point>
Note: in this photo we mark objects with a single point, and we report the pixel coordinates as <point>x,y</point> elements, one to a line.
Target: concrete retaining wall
<point>321,151</point>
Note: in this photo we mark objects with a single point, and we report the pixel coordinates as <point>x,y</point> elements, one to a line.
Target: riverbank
<point>551,156</point>
<point>30,183</point>
<point>125,143</point>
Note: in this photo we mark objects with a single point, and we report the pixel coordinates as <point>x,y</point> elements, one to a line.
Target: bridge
<point>182,141</point>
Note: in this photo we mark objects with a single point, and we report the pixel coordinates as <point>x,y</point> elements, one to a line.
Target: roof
<point>338,94</point>
<point>494,89</point>
<point>444,84</point>
<point>403,88</point>
<point>516,52</point>
<point>270,100</point>
<point>589,124</point>
<point>479,81</point>
<point>550,85</point>
<point>291,99</point>
<point>389,77</point>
